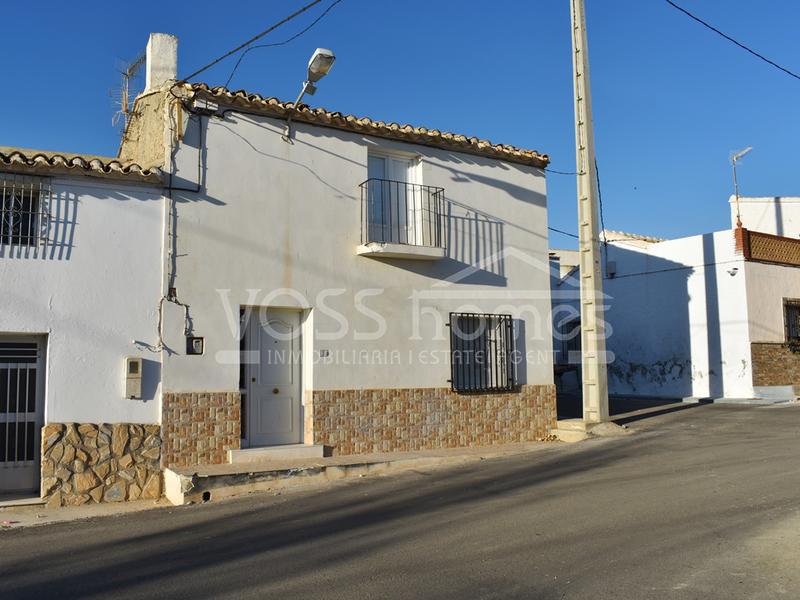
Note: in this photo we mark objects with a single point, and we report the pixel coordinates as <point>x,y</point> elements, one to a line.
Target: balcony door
<point>395,201</point>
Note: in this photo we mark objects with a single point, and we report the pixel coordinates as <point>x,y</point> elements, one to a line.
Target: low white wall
<point>778,215</point>
<point>679,319</point>
<point>94,291</point>
<point>274,215</point>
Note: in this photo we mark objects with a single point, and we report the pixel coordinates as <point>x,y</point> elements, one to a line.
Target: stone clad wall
<point>86,463</point>
<point>200,427</point>
<point>774,364</point>
<point>395,420</point>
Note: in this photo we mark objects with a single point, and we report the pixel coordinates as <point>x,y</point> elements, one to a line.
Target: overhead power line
<point>253,39</point>
<point>283,43</point>
<point>567,233</point>
<point>730,39</point>
<point>562,172</point>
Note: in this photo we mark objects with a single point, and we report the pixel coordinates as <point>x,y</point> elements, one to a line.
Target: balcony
<point>401,220</point>
<point>765,247</point>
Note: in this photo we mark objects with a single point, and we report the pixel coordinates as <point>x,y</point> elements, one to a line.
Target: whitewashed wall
<point>275,215</point>
<point>778,215</point>
<point>94,291</point>
<point>767,286</point>
<point>679,319</point>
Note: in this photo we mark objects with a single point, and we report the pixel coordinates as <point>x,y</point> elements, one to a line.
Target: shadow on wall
<point>518,192</point>
<point>52,229</point>
<point>473,239</point>
<point>650,331</point>
<point>521,349</point>
<point>151,377</point>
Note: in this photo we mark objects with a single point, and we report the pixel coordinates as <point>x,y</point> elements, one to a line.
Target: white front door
<point>273,391</point>
<point>21,410</point>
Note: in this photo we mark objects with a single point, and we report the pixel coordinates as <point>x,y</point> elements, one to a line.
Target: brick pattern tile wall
<point>88,463</point>
<point>774,364</point>
<point>386,420</point>
<point>200,427</point>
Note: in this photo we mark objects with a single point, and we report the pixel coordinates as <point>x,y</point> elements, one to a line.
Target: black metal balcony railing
<point>399,212</point>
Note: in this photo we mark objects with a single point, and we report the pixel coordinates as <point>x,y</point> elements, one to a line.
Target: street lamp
<point>318,66</point>
<point>736,157</point>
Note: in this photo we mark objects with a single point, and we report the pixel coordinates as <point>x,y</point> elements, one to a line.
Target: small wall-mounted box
<point>133,377</point>
<point>195,345</point>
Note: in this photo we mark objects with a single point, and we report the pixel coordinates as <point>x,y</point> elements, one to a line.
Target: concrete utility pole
<point>593,339</point>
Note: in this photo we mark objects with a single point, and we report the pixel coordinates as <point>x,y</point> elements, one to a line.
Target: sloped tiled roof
<point>619,236</point>
<point>60,163</point>
<point>364,125</point>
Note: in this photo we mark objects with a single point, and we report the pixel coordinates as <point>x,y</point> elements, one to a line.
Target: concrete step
<point>203,483</point>
<point>570,435</point>
<point>287,452</point>
<point>571,425</point>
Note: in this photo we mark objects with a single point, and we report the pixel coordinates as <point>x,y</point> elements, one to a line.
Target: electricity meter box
<point>133,377</point>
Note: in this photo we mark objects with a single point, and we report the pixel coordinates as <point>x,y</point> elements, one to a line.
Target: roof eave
<point>363,125</point>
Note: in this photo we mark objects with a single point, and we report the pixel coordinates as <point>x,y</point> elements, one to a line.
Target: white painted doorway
<point>272,370</point>
<point>21,413</point>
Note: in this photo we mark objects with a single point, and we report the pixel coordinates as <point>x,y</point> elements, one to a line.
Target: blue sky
<point>671,99</point>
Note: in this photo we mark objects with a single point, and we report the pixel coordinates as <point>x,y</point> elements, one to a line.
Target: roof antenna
<point>128,72</point>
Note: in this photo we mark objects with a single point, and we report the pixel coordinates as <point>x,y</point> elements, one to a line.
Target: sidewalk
<point>223,481</point>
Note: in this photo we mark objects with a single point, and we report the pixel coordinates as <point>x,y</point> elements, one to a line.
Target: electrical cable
<point>602,220</point>
<point>730,39</point>
<point>252,39</point>
<point>671,269</point>
<point>561,172</point>
<point>283,43</point>
<point>567,233</point>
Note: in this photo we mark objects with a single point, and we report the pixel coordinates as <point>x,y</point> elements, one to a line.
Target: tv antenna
<point>128,73</point>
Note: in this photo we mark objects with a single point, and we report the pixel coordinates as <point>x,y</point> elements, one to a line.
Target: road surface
<point>699,503</point>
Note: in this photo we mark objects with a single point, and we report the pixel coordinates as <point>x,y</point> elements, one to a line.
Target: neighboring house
<point>354,286</point>
<point>715,315</point>
<point>778,215</point>
<point>80,256</point>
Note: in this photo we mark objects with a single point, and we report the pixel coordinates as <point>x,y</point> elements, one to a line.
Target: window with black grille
<point>791,316</point>
<point>481,353</point>
<point>22,207</point>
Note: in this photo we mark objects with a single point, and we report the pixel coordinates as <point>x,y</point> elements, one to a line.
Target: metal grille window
<point>23,210</point>
<point>482,353</point>
<point>791,315</point>
<point>18,410</point>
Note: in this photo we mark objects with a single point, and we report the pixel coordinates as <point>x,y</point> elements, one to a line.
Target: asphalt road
<point>699,503</point>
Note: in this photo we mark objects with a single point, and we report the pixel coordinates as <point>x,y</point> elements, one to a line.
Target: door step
<point>204,483</point>
<point>267,453</point>
<point>577,430</point>
<point>571,430</point>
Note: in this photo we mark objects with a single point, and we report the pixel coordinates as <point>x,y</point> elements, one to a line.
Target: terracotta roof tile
<point>365,125</point>
<point>39,161</point>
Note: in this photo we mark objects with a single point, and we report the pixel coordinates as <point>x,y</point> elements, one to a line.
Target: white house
<point>708,316</point>
<point>80,255</point>
<point>344,285</point>
<point>778,215</point>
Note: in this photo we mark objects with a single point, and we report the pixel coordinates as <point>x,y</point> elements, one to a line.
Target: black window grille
<point>23,206</point>
<point>482,353</point>
<point>791,315</point>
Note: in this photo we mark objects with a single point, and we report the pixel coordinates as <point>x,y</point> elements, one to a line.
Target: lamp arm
<point>287,134</point>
